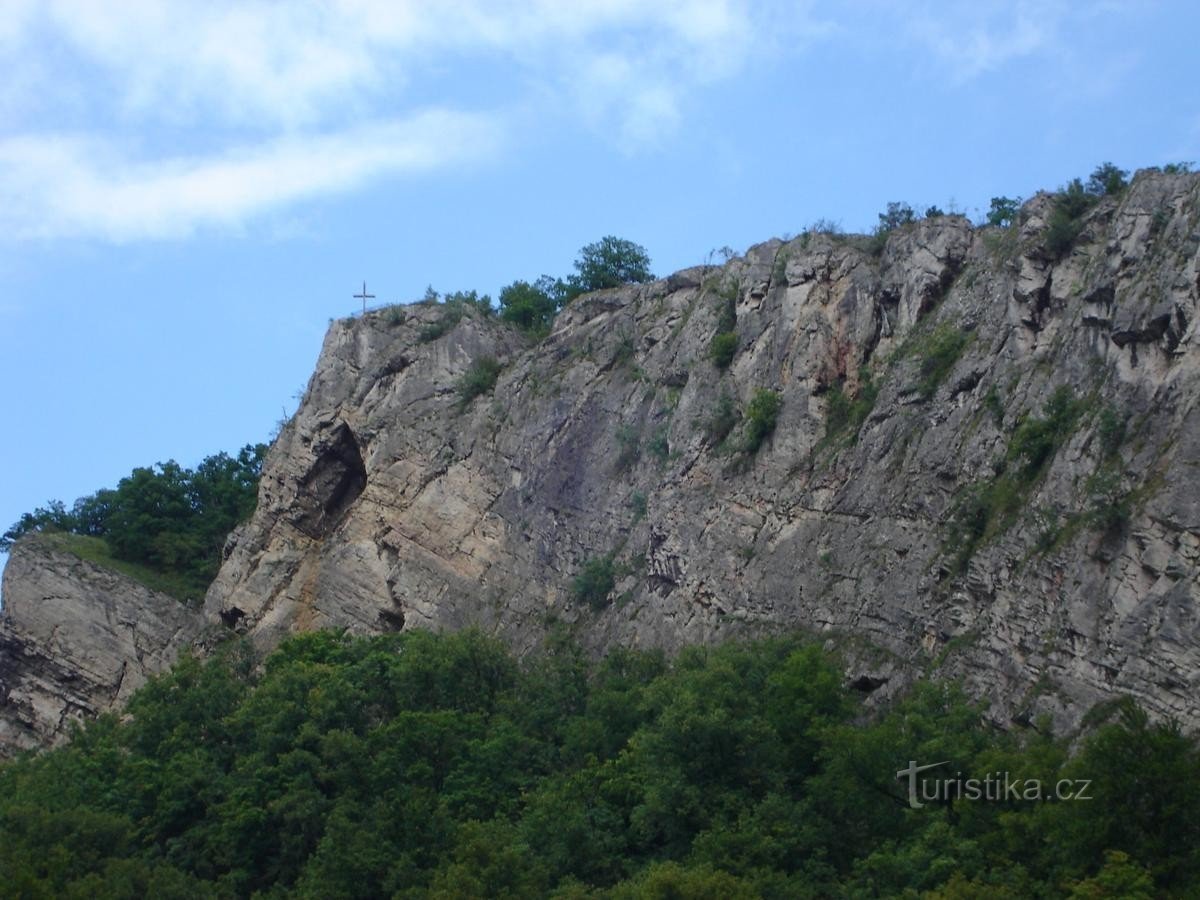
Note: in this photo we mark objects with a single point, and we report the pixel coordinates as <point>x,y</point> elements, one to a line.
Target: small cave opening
<point>230,617</point>
<point>336,479</point>
<point>866,684</point>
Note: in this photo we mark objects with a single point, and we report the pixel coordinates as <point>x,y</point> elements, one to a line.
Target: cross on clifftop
<point>364,296</point>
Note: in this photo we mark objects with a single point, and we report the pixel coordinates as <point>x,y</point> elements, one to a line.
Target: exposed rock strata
<point>77,640</point>
<point>384,505</point>
<point>485,515</point>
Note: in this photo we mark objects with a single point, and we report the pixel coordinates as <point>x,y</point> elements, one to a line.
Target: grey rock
<point>77,640</point>
<point>386,504</point>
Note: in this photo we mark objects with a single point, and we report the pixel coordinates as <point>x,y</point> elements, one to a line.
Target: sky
<point>191,191</point>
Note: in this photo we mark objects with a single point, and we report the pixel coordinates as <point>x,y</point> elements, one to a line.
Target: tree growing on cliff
<point>609,262</point>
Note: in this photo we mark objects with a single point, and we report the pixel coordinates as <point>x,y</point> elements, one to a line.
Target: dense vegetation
<point>165,519</point>
<point>418,765</point>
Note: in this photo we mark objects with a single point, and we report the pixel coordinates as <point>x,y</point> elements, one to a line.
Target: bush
<point>596,581</point>
<point>479,379</point>
<point>1038,438</point>
<point>845,415</point>
<point>722,348</point>
<point>761,414</point>
<point>629,448</point>
<point>1065,218</point>
<point>723,420</point>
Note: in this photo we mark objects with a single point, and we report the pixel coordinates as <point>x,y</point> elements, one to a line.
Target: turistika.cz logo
<point>995,786</point>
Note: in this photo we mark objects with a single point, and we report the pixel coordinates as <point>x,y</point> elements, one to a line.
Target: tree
<point>1106,180</point>
<point>1004,211</point>
<point>531,307</point>
<point>897,214</point>
<point>610,262</point>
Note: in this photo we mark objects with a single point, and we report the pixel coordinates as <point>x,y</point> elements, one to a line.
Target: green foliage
<point>610,262</point>
<point>595,581</point>
<point>163,519</point>
<point>722,421</point>
<point>1178,168</point>
<point>1003,211</point>
<point>659,444</point>
<point>934,212</point>
<point>844,414</point>
<point>1065,222</point>
<point>1107,180</point>
<point>897,215</point>
<point>722,348</point>
<point>761,414</point>
<point>629,447</point>
<point>454,306</point>
<point>532,307</point>
<point>937,353</point>
<point>989,508</point>
<point>1111,429</point>
<point>424,765</point>
<point>479,379</point>
<point>1037,439</point>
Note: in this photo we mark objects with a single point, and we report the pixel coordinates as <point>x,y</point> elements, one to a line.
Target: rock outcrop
<point>77,640</point>
<point>901,507</point>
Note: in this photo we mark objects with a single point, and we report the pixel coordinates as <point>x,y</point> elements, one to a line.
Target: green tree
<point>531,307</point>
<point>1107,180</point>
<point>609,262</point>
<point>1003,211</point>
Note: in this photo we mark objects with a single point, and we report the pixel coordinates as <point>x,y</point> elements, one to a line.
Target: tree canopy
<point>423,765</point>
<point>165,517</point>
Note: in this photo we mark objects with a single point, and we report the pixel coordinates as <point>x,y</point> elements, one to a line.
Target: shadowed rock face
<point>384,504</point>
<point>77,640</point>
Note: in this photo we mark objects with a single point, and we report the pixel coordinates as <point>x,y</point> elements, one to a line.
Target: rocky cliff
<point>984,463</point>
<point>77,640</point>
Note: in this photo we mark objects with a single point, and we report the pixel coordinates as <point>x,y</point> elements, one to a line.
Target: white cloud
<point>54,186</point>
<point>273,96</point>
<point>969,40</point>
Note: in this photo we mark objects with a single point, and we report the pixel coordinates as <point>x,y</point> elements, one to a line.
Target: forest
<point>427,765</point>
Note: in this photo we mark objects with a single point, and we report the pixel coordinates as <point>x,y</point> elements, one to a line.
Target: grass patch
<point>96,550</point>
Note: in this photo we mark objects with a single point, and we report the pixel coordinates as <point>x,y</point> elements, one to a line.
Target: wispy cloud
<point>264,103</point>
<point>53,186</point>
<point>969,40</point>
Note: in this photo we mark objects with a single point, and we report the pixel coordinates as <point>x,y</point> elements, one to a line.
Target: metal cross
<point>364,297</point>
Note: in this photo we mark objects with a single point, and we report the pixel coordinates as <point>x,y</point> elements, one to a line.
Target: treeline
<point>165,517</point>
<point>417,765</point>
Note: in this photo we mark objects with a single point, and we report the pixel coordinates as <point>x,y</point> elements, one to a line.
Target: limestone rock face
<point>75,641</point>
<point>905,375</point>
<point>387,504</point>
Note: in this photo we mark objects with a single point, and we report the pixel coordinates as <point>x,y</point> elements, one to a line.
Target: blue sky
<point>190,191</point>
